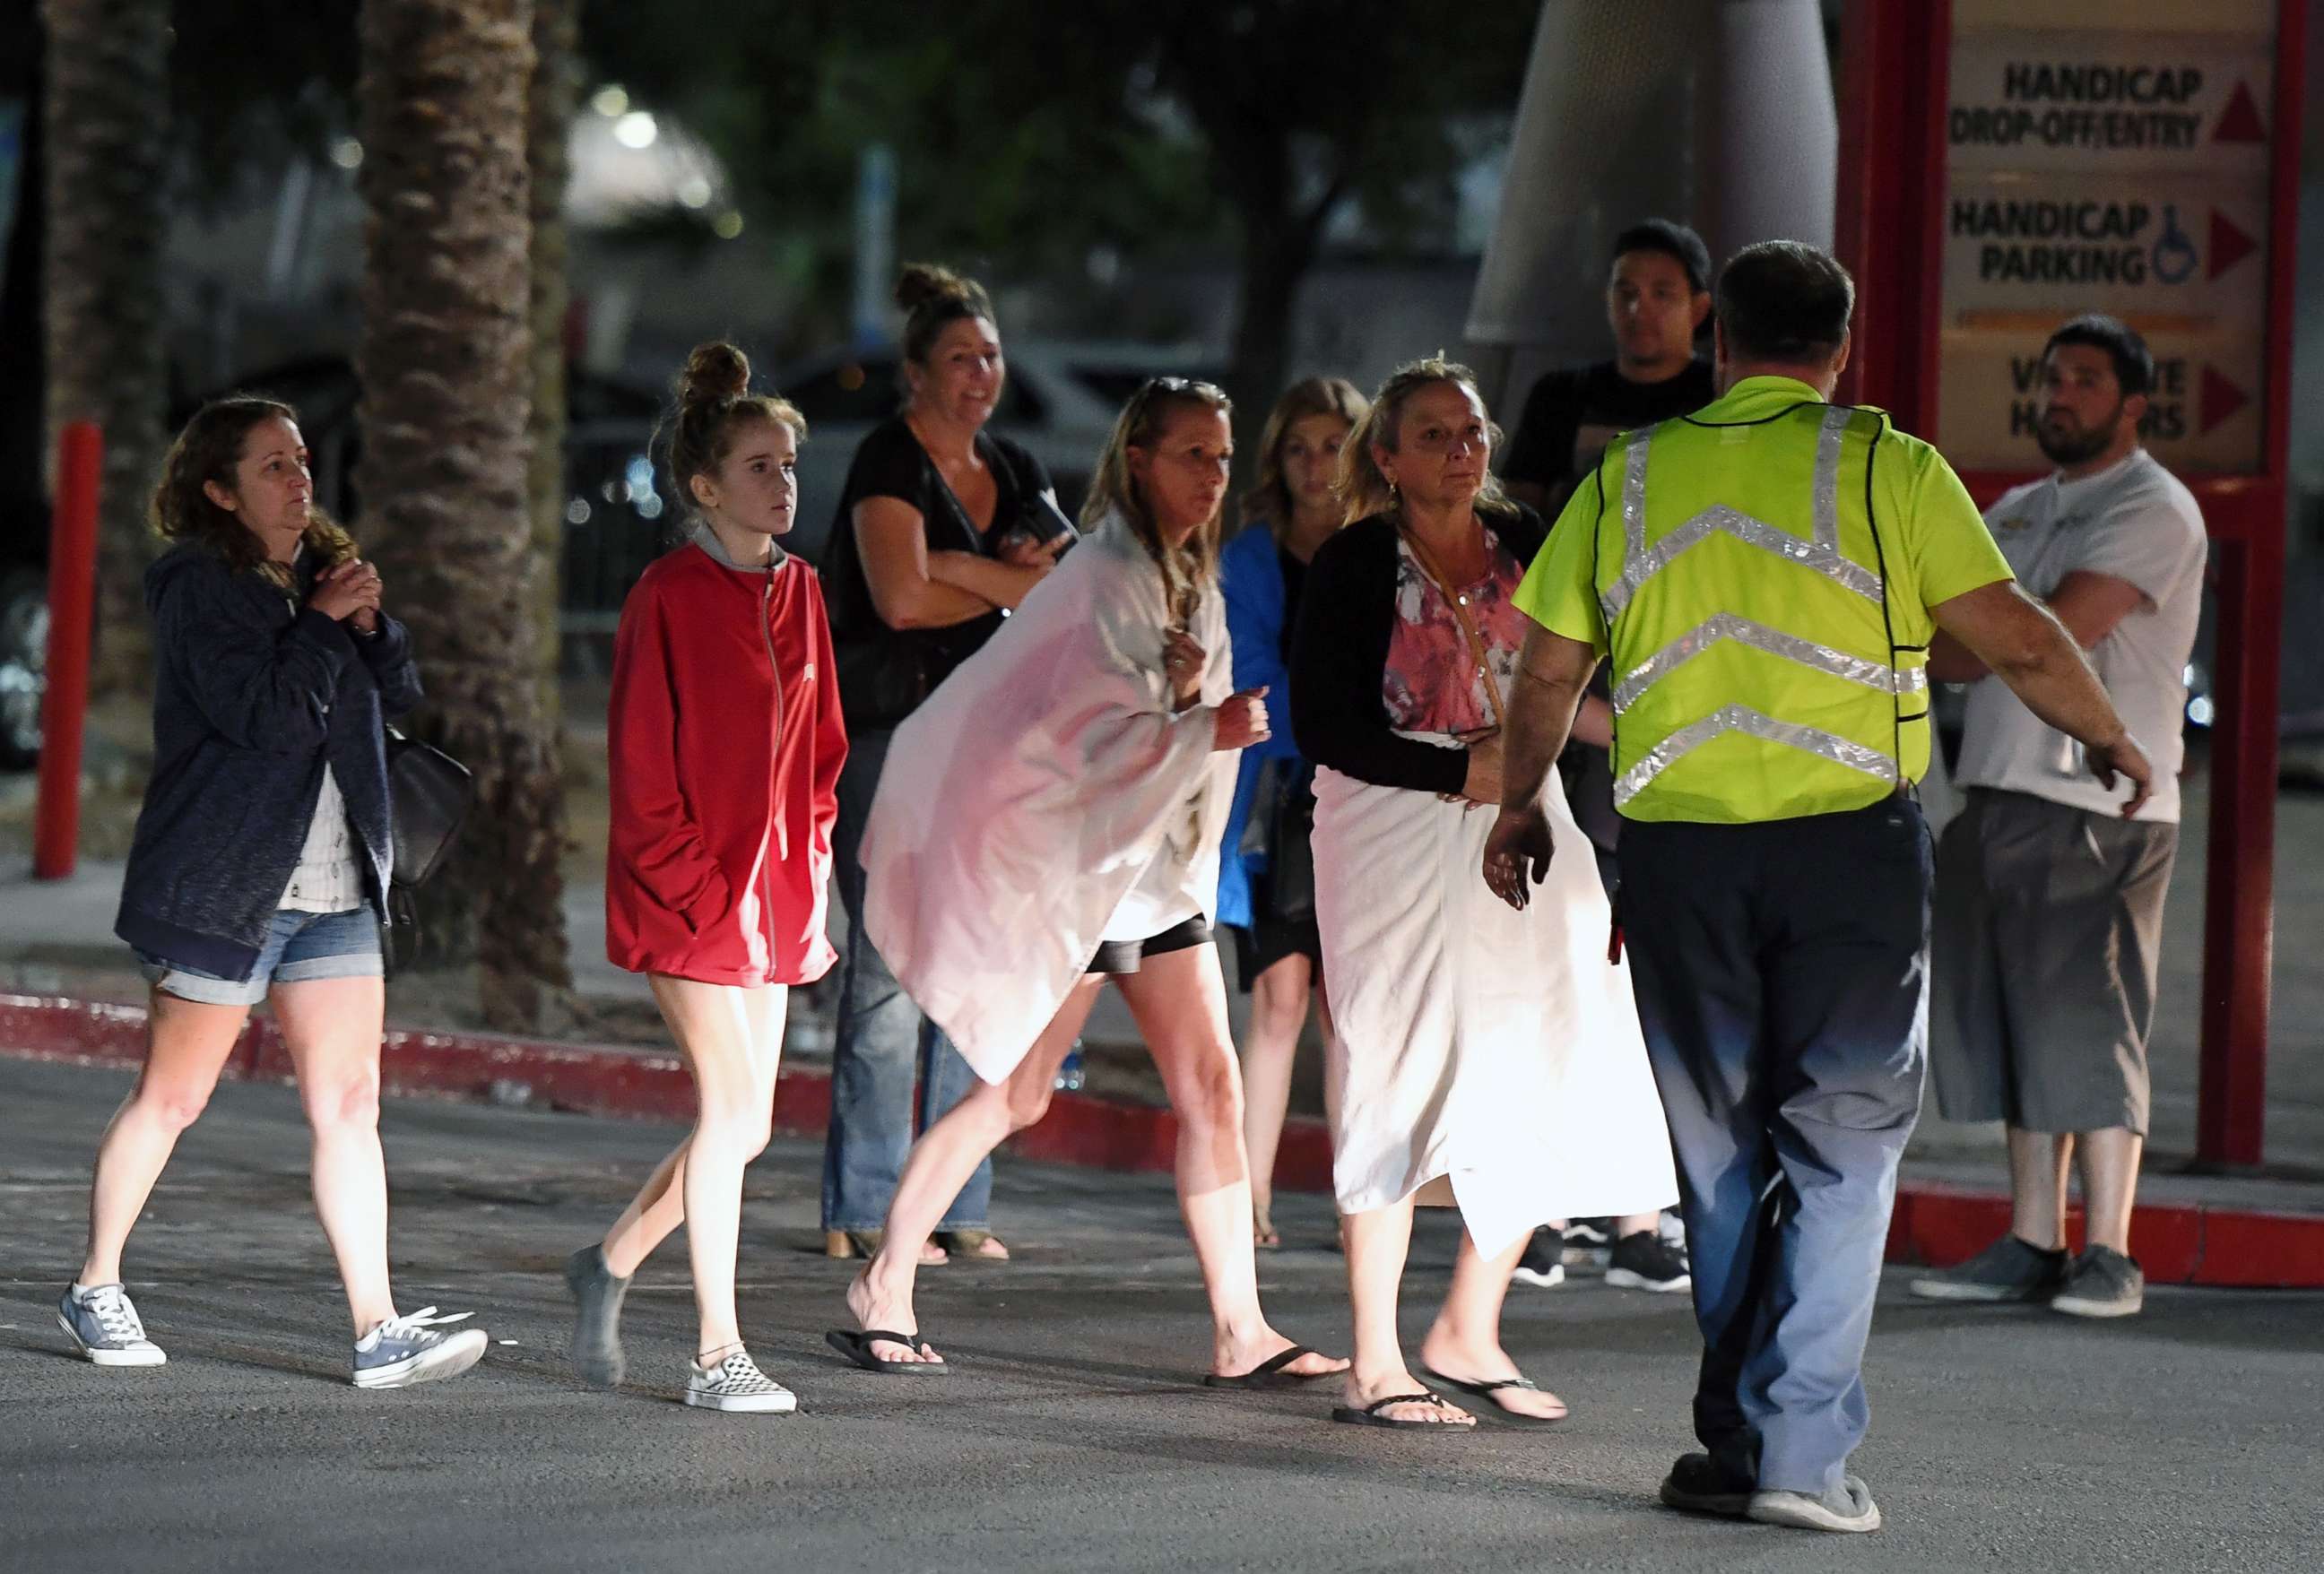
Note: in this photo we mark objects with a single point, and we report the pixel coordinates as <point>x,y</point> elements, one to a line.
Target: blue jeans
<point>882,1046</point>
<point>1779,969</point>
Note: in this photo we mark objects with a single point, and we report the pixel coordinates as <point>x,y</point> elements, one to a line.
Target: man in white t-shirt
<point>2049,902</point>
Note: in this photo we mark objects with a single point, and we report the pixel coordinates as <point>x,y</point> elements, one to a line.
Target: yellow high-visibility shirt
<point>1760,574</point>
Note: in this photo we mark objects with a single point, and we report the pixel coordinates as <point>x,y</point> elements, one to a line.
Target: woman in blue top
<point>1267,894</point>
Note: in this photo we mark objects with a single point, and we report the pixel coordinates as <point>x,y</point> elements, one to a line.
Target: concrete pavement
<point>1071,1436</point>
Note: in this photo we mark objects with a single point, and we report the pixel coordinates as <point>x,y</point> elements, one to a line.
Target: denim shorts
<point>299,947</point>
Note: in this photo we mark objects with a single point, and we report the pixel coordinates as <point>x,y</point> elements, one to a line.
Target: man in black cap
<point>1657,299</point>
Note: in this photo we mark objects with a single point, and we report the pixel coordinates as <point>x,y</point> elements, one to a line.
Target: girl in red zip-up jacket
<point>725,742</point>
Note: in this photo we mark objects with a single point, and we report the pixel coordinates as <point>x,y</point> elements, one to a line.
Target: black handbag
<point>428,794</point>
<point>1288,882</point>
<point>881,680</point>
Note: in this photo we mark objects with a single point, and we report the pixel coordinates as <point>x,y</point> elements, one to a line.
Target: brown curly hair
<point>208,450</point>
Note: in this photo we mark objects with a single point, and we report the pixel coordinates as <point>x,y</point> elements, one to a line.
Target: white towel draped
<point>1496,1048</point>
<point>1044,779</point>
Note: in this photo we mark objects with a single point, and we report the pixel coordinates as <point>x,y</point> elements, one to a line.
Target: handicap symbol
<point>2175,256</point>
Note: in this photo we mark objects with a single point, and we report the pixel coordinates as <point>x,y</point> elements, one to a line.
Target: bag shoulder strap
<point>1475,641</point>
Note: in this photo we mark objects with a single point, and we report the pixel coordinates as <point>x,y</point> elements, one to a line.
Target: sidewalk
<point>57,954</point>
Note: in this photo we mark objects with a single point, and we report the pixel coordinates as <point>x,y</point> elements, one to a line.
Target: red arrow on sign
<point>2229,245</point>
<point>2240,121</point>
<point>2220,399</point>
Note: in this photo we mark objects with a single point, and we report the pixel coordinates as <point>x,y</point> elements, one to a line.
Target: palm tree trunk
<point>555,38</point>
<point>105,132</point>
<point>445,364</point>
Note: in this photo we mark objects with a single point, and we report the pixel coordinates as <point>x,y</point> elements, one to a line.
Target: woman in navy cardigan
<point>261,865</point>
<point>1265,893</point>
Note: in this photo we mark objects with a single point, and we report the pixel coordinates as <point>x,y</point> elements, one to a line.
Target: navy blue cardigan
<point>252,696</point>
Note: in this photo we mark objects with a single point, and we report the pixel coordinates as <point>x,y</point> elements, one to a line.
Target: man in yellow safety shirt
<point>1766,575</point>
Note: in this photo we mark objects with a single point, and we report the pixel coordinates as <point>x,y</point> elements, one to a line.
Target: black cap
<point>1673,240</point>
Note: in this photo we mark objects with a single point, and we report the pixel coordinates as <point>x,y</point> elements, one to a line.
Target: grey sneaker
<point>1698,1485</point>
<point>737,1383</point>
<point>409,1350</point>
<point>2102,1282</point>
<point>104,1323</point>
<point>2009,1270</point>
<point>1847,1508</point>
<point>598,1357</point>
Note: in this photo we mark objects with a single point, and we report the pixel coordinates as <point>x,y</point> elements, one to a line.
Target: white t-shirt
<point>2135,521</point>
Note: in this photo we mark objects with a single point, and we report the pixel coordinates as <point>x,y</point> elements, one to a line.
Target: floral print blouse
<point>1431,683</point>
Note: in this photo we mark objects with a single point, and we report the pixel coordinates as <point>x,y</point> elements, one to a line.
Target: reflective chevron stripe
<point>1819,552</point>
<point>1759,637</point>
<point>1744,719</point>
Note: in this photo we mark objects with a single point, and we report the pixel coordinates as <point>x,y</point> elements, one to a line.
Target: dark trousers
<point>882,1046</point>
<point>1779,969</point>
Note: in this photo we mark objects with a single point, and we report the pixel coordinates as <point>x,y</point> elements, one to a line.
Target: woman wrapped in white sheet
<point>1495,1052</point>
<point>1050,818</point>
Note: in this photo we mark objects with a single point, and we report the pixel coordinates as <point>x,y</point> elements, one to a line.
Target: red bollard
<point>72,611</point>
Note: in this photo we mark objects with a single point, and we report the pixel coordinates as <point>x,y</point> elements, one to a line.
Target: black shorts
<point>1270,940</point>
<point>1122,956</point>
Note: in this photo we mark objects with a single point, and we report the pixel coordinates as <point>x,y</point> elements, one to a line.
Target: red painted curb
<point>1935,1224</point>
<point>623,1082</point>
<point>2175,1243</point>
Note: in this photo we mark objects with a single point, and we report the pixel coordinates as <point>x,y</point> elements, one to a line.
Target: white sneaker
<point>737,1383</point>
<point>407,1350</point>
<point>104,1324</point>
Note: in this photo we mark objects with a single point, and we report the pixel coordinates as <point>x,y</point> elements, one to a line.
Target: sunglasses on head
<point>1194,386</point>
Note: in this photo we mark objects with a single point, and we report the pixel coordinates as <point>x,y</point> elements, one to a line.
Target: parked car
<point>24,629</point>
<point>1060,402</point>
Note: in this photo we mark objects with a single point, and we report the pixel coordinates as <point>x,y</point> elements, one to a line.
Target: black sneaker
<point>1644,1260</point>
<point>2102,1283</point>
<point>1697,1485</point>
<point>1544,1263</point>
<point>2009,1269</point>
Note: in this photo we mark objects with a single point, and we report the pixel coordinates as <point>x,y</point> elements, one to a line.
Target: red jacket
<point>724,743</point>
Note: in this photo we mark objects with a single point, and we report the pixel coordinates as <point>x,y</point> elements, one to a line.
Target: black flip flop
<point>1269,1373</point>
<point>1501,1413</point>
<point>1369,1415</point>
<point>856,1344</point>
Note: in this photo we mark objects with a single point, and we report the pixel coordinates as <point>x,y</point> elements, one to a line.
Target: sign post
<point>2010,163</point>
<point>72,610</point>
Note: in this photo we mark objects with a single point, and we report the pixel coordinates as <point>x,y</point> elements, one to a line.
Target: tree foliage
<point>1031,132</point>
<point>254,79</point>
